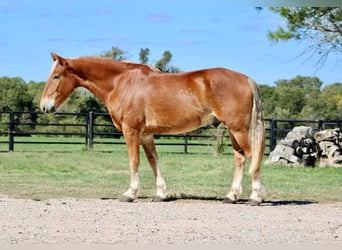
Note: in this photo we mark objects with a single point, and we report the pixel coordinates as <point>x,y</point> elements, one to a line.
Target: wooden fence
<point>96,128</point>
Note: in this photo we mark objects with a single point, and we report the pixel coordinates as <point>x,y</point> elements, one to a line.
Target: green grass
<point>93,174</point>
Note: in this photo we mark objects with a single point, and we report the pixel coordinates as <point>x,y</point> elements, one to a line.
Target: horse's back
<point>185,101</point>
<point>210,79</point>
<point>223,86</point>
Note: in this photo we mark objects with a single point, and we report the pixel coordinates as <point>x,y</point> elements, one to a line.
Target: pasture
<point>197,176</point>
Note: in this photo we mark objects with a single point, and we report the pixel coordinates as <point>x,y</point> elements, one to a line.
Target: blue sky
<point>199,34</point>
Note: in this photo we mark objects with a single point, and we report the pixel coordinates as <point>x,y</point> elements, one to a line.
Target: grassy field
<point>94,174</point>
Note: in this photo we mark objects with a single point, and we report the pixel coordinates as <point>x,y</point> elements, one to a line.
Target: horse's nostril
<point>44,109</point>
<point>47,110</point>
<point>48,106</point>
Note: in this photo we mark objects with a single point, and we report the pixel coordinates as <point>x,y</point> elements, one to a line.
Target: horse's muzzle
<point>48,106</point>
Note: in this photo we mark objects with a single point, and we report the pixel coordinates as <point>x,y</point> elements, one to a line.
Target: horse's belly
<point>176,124</point>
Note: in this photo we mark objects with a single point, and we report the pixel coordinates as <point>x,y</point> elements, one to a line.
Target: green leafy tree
<point>267,93</point>
<point>320,26</point>
<point>290,100</point>
<point>143,55</point>
<point>91,103</point>
<point>72,103</point>
<point>115,53</point>
<point>295,98</point>
<point>163,64</point>
<point>14,95</point>
<point>330,101</point>
<point>35,89</point>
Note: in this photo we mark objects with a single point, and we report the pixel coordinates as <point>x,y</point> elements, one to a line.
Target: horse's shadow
<point>288,202</point>
<point>241,201</point>
<point>271,203</point>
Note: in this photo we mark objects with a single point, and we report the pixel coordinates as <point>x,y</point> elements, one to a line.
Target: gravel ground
<point>73,221</point>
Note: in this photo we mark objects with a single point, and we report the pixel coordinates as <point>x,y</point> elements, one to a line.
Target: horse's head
<point>61,82</point>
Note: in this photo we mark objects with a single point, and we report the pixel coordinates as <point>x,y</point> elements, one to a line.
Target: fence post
<point>11,132</point>
<point>320,125</point>
<point>86,130</point>
<point>185,143</point>
<point>91,130</point>
<point>273,134</point>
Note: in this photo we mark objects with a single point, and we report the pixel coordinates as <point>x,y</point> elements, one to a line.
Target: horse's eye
<point>56,77</point>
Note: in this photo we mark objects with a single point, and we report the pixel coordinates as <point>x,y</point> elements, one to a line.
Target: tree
<point>268,104</point>
<point>35,89</point>
<point>14,95</point>
<point>163,64</point>
<point>296,98</point>
<point>330,101</point>
<point>290,99</point>
<point>320,26</point>
<point>115,53</point>
<point>72,104</point>
<point>91,103</point>
<point>143,55</point>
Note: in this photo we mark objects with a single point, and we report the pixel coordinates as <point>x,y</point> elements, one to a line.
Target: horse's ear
<point>61,60</point>
<point>54,56</point>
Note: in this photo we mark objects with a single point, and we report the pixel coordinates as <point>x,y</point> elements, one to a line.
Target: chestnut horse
<point>143,101</point>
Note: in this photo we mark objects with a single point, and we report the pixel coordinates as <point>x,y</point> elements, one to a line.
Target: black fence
<point>93,129</point>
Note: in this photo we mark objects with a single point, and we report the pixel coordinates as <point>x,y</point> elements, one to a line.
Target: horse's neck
<point>97,77</point>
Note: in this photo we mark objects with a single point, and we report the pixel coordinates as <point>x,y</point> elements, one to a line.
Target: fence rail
<point>93,129</point>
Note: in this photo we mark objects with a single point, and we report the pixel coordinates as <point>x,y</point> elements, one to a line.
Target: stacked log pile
<point>302,147</point>
<point>330,143</point>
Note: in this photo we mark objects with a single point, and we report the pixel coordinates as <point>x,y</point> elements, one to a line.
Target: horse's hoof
<point>126,199</point>
<point>252,202</point>
<point>229,201</point>
<point>157,198</point>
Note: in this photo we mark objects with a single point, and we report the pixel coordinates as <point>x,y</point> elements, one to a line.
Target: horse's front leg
<point>132,141</point>
<point>151,154</point>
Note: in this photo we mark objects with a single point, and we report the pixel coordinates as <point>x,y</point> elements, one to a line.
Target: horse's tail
<point>256,131</point>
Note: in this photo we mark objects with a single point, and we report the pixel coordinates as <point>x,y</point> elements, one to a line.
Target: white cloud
<point>159,18</point>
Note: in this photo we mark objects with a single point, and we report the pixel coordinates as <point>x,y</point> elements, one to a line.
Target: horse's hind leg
<point>151,154</point>
<point>258,189</point>
<point>241,150</point>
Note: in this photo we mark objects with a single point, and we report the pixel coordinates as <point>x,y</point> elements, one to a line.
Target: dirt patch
<point>71,220</point>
